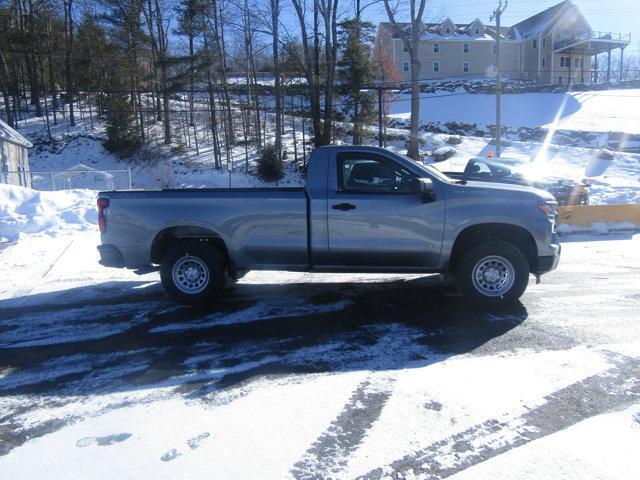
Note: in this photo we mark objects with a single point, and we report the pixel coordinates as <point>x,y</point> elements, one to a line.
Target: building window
<point>465,67</point>
<point>544,62</point>
<point>436,47</point>
<point>436,66</point>
<point>493,48</point>
<point>465,47</point>
<point>405,66</point>
<point>562,62</point>
<point>406,47</point>
<point>577,62</point>
<point>477,30</point>
<point>559,79</point>
<point>544,42</point>
<point>535,43</point>
<point>494,67</point>
<point>447,30</point>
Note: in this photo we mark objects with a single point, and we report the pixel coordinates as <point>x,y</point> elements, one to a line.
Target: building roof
<point>80,169</point>
<point>538,23</point>
<point>527,28</point>
<point>8,134</point>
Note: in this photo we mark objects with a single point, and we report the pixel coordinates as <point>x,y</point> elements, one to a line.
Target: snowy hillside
<point>600,111</point>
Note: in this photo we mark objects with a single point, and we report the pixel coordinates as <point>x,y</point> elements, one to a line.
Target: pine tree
<point>356,71</point>
<point>123,138</point>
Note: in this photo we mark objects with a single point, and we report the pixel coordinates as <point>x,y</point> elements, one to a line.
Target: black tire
<point>508,288</point>
<point>199,254</point>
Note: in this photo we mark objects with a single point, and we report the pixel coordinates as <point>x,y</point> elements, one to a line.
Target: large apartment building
<point>555,46</point>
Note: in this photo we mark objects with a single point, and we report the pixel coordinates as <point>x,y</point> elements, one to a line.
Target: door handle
<point>343,206</point>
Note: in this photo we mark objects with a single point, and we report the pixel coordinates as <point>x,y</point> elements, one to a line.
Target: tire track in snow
<point>329,453</point>
<point>613,389</point>
<point>32,283</point>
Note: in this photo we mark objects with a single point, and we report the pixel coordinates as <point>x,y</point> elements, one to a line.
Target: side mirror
<point>426,190</point>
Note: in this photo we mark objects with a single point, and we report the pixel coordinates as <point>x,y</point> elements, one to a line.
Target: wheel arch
<point>180,233</point>
<point>473,235</point>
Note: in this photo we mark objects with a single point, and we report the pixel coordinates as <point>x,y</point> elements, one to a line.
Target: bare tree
<point>329,12</point>
<point>411,37</point>
<point>160,43</point>
<point>274,7</point>
<point>311,55</point>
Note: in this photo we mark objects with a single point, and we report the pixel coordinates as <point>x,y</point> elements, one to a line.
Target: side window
<point>362,172</point>
<point>478,168</point>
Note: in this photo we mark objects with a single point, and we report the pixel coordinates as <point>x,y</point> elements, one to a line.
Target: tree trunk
<point>414,40</point>
<point>275,13</point>
<point>413,151</point>
<point>68,27</point>
<point>331,42</point>
<point>311,66</point>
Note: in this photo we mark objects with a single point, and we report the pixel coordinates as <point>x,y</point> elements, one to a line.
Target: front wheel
<point>493,274</point>
<point>193,272</point>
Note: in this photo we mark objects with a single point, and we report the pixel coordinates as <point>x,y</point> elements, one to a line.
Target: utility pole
<point>496,14</point>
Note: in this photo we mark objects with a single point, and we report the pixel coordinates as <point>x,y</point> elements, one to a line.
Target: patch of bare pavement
<point>452,385</point>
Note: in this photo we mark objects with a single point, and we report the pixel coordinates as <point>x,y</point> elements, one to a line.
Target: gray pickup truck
<point>363,209</point>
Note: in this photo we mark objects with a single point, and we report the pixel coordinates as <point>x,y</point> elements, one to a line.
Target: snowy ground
<point>600,111</point>
<point>361,376</point>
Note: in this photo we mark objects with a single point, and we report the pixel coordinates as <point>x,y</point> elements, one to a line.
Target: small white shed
<point>14,157</point>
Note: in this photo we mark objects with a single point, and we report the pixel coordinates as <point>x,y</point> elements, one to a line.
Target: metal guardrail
<point>70,179</point>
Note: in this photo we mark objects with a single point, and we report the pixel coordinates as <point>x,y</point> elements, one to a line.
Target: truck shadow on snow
<point>128,341</point>
<point>51,346</point>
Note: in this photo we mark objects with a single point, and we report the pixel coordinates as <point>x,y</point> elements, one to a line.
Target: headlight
<point>548,208</point>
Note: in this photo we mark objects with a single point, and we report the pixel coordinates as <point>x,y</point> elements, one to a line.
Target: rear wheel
<point>193,272</point>
<point>493,274</point>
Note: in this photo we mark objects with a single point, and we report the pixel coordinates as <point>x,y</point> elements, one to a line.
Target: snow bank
<point>27,212</point>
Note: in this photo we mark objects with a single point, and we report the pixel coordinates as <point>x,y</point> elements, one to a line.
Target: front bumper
<point>549,263</point>
<point>110,256</point>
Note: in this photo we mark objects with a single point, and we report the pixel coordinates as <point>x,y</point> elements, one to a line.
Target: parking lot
<point>318,376</point>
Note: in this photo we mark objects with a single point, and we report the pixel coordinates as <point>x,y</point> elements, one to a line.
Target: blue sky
<point>621,16</point>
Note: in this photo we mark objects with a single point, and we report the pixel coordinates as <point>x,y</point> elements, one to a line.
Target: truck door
<point>377,219</point>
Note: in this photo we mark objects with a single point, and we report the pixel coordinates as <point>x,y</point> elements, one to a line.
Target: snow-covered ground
<point>298,375</point>
<point>600,111</point>
<point>361,376</point>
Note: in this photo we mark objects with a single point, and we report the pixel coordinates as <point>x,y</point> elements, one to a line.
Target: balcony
<point>592,43</point>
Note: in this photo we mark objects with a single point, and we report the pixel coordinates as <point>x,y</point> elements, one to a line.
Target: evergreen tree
<point>356,71</point>
<point>123,138</point>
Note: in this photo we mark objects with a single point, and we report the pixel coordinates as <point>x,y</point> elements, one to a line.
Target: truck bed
<point>264,226</point>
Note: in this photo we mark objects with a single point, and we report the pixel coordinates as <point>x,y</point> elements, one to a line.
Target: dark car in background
<point>517,172</point>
